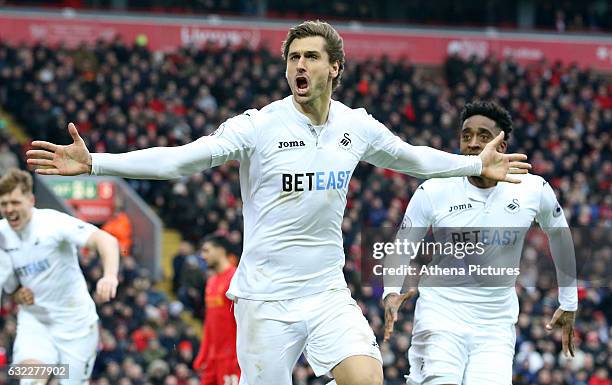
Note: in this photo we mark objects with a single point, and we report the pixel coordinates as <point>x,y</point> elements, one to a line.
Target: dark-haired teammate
<point>216,358</point>
<point>464,332</point>
<point>296,157</point>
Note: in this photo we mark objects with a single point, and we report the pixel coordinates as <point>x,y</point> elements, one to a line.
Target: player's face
<point>211,254</point>
<point>16,208</point>
<point>476,132</point>
<point>309,71</point>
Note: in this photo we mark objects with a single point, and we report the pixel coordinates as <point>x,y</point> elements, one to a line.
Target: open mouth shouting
<point>13,219</point>
<point>302,85</point>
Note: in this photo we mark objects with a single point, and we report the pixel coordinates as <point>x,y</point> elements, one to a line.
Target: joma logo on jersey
<point>318,180</point>
<point>293,143</point>
<point>460,207</point>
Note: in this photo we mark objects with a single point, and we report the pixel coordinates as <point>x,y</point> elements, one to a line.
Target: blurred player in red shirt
<point>217,356</point>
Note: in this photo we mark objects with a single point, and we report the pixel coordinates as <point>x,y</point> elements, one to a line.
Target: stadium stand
<point>125,97</point>
<point>567,16</point>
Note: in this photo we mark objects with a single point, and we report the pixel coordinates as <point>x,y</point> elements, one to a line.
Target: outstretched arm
<point>389,151</point>
<point>156,162</point>
<point>234,141</point>
<point>151,163</point>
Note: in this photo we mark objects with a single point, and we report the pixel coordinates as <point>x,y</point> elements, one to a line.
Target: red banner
<point>419,46</point>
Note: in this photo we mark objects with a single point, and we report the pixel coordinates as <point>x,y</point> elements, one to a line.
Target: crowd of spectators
<point>10,151</point>
<point>124,98</point>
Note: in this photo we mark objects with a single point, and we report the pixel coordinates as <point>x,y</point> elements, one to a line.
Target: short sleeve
<point>234,139</point>
<point>418,217</point>
<point>419,213</point>
<point>416,222</point>
<point>73,229</point>
<point>550,213</point>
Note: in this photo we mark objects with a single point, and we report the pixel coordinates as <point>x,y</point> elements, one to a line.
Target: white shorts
<point>446,349</point>
<point>328,327</point>
<point>35,342</point>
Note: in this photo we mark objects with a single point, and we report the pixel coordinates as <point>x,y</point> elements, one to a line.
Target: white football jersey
<point>44,259</point>
<point>6,269</point>
<point>294,178</point>
<point>454,207</point>
<point>294,181</point>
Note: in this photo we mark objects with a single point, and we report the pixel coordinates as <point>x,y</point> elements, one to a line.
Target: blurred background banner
<point>419,45</point>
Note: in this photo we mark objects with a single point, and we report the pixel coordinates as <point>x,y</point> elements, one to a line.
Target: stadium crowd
<point>124,98</point>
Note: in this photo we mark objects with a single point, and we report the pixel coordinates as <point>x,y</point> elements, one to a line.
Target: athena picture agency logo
<point>464,257</point>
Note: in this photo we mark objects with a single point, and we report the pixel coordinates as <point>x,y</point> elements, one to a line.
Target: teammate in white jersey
<point>57,321</point>
<point>296,159</point>
<point>6,268</point>
<point>464,334</point>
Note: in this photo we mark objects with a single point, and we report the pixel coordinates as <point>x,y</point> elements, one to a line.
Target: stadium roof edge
<point>216,20</point>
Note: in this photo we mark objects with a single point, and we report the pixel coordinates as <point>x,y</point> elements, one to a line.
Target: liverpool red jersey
<point>219,337</point>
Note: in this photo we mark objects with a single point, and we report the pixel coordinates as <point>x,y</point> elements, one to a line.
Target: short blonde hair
<point>14,178</point>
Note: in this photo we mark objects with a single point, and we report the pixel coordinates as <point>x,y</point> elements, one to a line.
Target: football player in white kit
<point>6,268</point>
<point>465,334</point>
<point>296,159</point>
<point>57,321</point>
